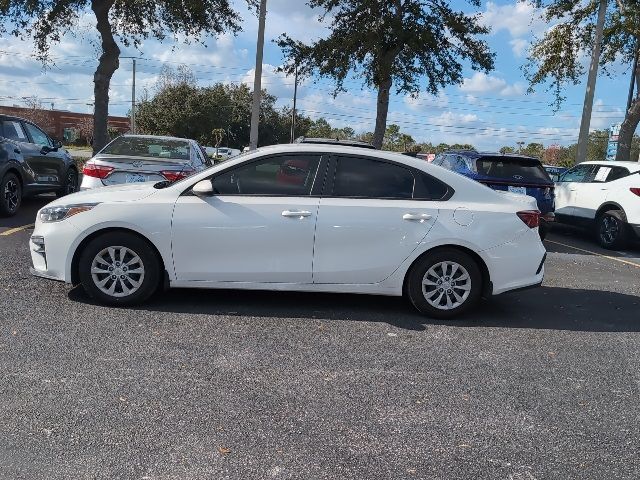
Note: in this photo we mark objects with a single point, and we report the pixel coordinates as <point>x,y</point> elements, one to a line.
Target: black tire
<point>612,231</point>
<point>543,230</point>
<point>419,271</point>
<point>70,183</point>
<point>151,268</point>
<point>10,195</point>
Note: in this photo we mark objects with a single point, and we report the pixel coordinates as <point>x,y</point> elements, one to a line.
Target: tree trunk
<point>627,129</point>
<point>382,109</point>
<point>108,64</point>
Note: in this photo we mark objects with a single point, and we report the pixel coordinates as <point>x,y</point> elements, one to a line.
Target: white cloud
<point>519,18</point>
<point>519,46</point>
<point>482,83</point>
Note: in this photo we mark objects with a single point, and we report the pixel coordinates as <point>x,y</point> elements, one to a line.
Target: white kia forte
<point>318,218</point>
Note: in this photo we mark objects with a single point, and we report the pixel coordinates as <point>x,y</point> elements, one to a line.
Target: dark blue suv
<point>512,173</point>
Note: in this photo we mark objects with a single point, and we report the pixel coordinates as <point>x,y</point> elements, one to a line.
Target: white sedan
<point>317,218</point>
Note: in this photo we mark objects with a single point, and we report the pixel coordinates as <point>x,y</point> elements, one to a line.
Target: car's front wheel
<point>445,283</point>
<point>70,183</point>
<point>611,229</point>
<point>119,268</point>
<point>10,195</point>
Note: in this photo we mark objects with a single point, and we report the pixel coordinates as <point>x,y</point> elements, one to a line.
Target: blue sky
<point>486,110</point>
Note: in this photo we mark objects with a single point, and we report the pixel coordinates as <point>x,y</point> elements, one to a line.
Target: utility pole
<point>520,145</point>
<point>257,81</point>
<point>583,138</point>
<point>632,84</point>
<point>293,113</point>
<point>133,95</point>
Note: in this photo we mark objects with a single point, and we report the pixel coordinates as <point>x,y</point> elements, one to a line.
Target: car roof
<point>4,116</point>
<point>160,137</point>
<point>634,166</point>
<point>475,154</point>
<point>334,141</point>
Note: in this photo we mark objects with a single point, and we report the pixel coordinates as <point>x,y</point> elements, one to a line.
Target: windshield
<point>512,168</point>
<point>149,147</point>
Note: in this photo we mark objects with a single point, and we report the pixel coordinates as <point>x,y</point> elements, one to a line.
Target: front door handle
<point>421,217</point>
<point>296,213</point>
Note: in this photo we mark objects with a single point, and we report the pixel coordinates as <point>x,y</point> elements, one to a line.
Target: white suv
<point>604,196</point>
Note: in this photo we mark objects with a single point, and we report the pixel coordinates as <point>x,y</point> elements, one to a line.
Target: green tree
<point>125,21</point>
<point>391,43</point>
<point>190,111</point>
<point>555,59</point>
<point>535,150</point>
<point>506,149</point>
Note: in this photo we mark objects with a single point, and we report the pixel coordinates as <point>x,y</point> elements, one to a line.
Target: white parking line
<point>11,231</point>
<point>627,262</point>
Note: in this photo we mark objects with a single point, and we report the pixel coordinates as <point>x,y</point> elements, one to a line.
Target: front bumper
<point>41,274</point>
<point>50,257</point>
<point>636,229</point>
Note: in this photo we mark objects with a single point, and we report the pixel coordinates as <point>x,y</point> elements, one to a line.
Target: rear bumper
<point>90,182</point>
<point>517,264</point>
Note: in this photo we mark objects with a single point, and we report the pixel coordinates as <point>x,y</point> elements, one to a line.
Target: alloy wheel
<point>446,285</point>
<point>117,271</point>
<point>72,182</point>
<point>11,194</point>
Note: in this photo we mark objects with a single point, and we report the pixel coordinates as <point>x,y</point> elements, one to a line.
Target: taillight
<point>635,190</point>
<point>175,175</point>
<point>531,218</point>
<point>96,171</point>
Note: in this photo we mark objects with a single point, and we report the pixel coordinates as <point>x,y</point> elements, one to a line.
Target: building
<point>64,125</point>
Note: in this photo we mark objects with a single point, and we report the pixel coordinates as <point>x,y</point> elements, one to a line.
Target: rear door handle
<point>421,217</point>
<point>296,213</point>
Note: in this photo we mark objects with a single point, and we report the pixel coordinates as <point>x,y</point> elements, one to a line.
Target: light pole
<point>133,95</point>
<point>583,138</point>
<point>293,112</point>
<point>257,81</point>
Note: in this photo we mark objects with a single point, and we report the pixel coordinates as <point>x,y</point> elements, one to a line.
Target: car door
<point>369,221</point>
<point>257,227</point>
<point>42,157</point>
<point>593,192</point>
<point>567,187</point>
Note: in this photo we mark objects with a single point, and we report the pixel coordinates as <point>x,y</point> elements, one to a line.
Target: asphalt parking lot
<point>541,384</point>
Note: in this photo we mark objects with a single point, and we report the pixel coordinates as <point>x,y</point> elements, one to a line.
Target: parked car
<point>225,153</point>
<point>353,220</point>
<point>143,158</point>
<point>603,196</point>
<point>554,172</point>
<point>508,173</point>
<point>31,162</point>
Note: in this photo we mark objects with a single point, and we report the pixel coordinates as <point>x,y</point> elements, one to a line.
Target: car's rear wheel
<point>119,268</point>
<point>611,229</point>
<point>445,283</point>
<point>70,183</point>
<point>10,195</point>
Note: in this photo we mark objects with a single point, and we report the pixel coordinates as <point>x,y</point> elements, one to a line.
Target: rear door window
<point>369,178</point>
<point>12,129</point>
<point>513,169</point>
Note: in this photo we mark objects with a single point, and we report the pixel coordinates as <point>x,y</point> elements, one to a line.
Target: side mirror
<point>57,144</point>
<point>203,188</point>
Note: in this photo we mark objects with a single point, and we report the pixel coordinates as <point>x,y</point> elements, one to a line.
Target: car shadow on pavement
<point>570,236</point>
<point>27,212</point>
<point>542,308</point>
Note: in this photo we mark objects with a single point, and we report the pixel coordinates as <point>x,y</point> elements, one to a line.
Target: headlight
<point>56,214</point>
